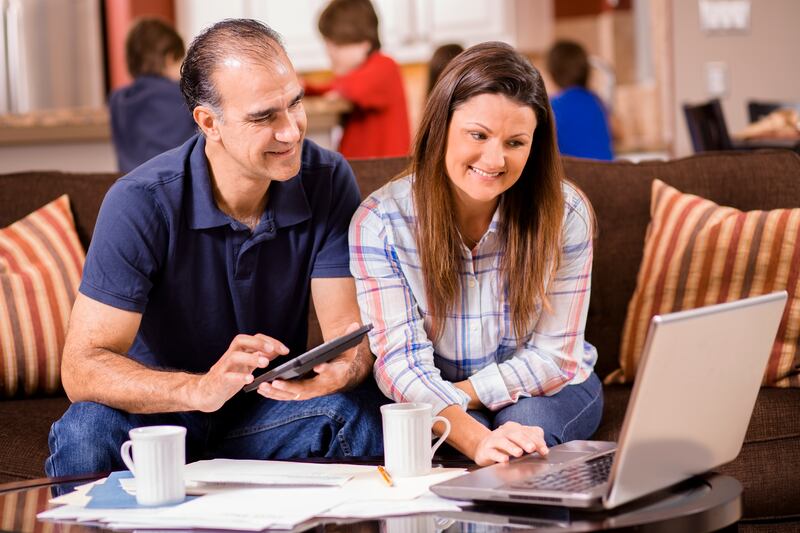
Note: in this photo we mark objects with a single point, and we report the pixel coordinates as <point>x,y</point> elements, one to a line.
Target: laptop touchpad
<point>560,456</point>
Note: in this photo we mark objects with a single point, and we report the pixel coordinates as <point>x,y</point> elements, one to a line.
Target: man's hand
<point>510,440</point>
<point>342,373</point>
<point>234,370</point>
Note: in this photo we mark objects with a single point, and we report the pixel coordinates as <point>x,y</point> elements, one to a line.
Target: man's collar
<point>287,200</point>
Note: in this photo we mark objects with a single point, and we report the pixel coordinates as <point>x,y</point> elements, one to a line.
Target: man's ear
<point>207,121</point>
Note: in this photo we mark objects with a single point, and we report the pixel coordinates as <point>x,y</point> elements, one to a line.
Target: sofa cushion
<point>768,465</point>
<point>41,260</point>
<point>620,194</point>
<point>23,435</point>
<point>698,253</point>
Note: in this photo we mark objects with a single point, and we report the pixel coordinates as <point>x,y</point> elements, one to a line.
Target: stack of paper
<point>280,495</point>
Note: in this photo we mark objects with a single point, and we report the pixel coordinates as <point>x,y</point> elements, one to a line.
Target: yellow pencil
<point>385,475</point>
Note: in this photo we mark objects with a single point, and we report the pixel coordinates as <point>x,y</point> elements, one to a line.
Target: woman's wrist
<point>466,433</point>
<point>469,390</point>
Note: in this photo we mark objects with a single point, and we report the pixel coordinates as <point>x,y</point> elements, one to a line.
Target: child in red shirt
<point>378,124</point>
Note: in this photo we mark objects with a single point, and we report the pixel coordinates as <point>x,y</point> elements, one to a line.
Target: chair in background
<point>707,126</point>
<point>757,109</point>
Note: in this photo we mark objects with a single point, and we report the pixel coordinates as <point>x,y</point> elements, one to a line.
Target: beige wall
<point>762,63</point>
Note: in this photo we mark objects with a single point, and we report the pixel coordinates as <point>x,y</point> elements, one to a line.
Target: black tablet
<point>304,363</point>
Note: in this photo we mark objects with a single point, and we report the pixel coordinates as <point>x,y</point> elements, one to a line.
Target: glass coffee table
<point>705,503</point>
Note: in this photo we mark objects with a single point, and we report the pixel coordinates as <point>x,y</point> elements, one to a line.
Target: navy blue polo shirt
<point>162,247</point>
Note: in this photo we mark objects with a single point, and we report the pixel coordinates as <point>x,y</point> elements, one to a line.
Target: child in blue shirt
<point>581,119</point>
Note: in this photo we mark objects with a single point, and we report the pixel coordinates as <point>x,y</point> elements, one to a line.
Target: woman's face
<point>488,144</point>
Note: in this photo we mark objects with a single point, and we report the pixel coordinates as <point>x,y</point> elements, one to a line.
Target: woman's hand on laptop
<point>510,440</point>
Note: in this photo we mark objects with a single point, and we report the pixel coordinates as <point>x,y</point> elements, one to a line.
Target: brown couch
<point>769,464</point>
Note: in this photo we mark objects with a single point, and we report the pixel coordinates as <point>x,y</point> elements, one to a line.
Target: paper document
<point>339,491</point>
<point>269,473</point>
<point>428,503</point>
<point>244,510</point>
<point>369,486</point>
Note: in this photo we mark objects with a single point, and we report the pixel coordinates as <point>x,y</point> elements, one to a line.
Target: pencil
<point>385,475</point>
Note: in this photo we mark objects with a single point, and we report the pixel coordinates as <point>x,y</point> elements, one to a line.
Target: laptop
<point>691,403</point>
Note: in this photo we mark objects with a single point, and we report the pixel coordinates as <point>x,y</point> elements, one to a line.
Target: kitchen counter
<point>92,125</point>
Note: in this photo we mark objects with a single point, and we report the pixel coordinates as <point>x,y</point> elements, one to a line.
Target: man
<point>199,273</point>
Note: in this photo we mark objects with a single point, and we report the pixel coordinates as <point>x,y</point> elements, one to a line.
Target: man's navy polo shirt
<point>162,247</point>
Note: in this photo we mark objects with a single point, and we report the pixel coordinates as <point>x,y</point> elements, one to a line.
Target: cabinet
<point>410,29</point>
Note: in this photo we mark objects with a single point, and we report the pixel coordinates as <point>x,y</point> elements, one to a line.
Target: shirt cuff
<point>490,387</point>
<point>455,396</point>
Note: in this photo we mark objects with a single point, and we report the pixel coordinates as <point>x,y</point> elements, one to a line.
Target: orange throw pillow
<point>41,259</point>
<point>698,253</point>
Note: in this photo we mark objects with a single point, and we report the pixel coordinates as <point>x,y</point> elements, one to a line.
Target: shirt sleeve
<point>366,86</point>
<point>333,258</point>
<point>127,249</point>
<point>404,368</point>
<point>553,355</point>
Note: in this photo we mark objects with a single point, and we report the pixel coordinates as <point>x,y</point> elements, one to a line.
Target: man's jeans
<point>572,413</point>
<point>88,437</point>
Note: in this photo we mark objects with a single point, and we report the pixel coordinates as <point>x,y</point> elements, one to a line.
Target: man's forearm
<point>362,363</point>
<point>118,381</point>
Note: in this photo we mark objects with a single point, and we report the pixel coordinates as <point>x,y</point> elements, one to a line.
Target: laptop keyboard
<point>578,477</point>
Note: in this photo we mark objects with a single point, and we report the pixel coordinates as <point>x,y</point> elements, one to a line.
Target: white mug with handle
<point>407,446</point>
<point>160,453</point>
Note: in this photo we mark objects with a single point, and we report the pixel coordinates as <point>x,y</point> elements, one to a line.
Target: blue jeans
<point>571,414</point>
<point>88,436</point>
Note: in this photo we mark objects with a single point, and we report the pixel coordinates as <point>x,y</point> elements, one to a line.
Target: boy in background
<point>378,124</point>
<point>150,116</point>
<point>581,120</point>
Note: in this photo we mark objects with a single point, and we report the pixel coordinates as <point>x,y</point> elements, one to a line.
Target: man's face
<point>263,121</point>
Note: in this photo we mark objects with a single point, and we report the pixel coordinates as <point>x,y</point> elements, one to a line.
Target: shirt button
<point>474,328</point>
<point>270,227</point>
<point>471,284</point>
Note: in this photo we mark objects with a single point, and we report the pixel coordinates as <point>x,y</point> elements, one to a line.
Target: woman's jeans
<point>88,437</point>
<point>571,414</point>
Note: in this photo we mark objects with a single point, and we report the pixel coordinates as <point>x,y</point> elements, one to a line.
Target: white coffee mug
<point>407,447</point>
<point>160,453</point>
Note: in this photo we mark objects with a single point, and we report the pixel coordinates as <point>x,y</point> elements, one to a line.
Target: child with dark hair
<point>581,119</point>
<point>378,124</point>
<point>150,116</point>
<point>439,60</point>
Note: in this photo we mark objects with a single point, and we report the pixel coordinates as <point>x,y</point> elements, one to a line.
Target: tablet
<point>306,362</point>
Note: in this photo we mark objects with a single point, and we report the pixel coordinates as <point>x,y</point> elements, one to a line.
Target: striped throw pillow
<point>698,253</point>
<point>41,260</point>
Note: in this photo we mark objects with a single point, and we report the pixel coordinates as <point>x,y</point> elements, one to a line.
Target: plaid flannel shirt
<point>478,341</point>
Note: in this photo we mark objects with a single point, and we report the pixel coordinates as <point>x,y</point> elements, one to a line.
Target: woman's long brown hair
<point>531,210</point>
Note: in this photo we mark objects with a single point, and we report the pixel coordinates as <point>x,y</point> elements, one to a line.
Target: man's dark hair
<point>568,64</point>
<point>349,22</point>
<point>245,38</point>
<point>148,44</point>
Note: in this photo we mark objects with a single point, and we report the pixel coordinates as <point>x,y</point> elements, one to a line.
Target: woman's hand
<point>509,440</point>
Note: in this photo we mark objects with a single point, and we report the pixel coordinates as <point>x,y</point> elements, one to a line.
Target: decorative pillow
<point>41,260</point>
<point>698,253</point>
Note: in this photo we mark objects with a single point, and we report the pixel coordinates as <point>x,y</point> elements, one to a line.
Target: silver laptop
<point>691,403</point>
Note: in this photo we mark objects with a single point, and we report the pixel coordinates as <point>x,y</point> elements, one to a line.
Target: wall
<point>762,63</point>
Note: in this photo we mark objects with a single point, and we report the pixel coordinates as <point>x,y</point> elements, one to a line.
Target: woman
<point>475,269</point>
